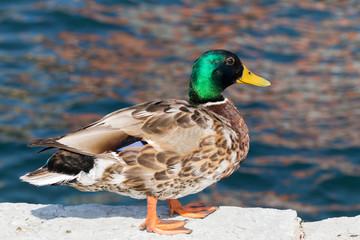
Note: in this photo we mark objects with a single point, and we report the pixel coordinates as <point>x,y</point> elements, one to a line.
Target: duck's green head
<point>216,70</point>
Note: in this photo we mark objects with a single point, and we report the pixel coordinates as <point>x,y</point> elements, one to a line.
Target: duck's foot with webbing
<point>193,210</point>
<point>157,225</point>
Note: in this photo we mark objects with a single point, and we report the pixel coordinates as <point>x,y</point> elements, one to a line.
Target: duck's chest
<point>235,132</point>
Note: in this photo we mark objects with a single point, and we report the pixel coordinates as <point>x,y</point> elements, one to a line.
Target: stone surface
<point>333,228</point>
<point>94,221</point>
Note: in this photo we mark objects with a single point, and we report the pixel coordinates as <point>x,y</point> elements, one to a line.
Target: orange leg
<point>194,210</point>
<point>166,227</point>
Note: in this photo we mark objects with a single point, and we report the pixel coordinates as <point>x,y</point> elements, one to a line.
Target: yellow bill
<point>250,78</point>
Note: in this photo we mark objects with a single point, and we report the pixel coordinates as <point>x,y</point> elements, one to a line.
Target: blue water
<point>64,64</point>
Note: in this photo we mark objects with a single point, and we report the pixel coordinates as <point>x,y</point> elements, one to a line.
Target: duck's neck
<point>221,102</point>
<point>224,108</point>
<point>227,110</point>
<point>201,91</point>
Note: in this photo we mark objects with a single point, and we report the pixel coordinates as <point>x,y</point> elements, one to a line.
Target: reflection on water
<point>65,64</point>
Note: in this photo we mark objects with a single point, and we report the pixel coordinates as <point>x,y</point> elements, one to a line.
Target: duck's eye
<point>230,61</point>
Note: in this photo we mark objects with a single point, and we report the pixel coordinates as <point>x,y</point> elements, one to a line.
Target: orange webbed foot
<point>193,210</point>
<point>165,227</point>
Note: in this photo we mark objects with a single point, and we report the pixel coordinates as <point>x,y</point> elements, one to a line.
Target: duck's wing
<point>166,125</point>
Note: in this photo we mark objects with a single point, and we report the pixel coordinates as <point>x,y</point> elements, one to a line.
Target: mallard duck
<point>163,149</point>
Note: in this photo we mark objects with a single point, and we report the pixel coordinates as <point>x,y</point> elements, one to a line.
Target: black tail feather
<point>70,163</point>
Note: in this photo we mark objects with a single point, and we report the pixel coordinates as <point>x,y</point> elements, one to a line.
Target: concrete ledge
<point>94,221</point>
<point>334,228</point>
